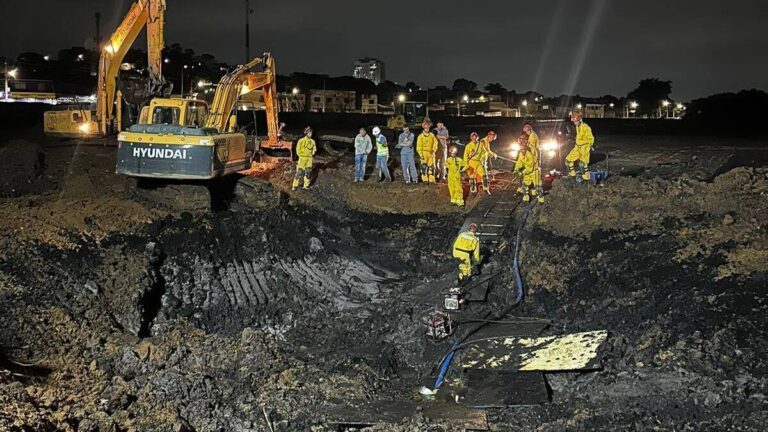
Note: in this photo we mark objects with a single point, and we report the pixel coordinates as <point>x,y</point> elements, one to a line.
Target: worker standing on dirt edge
<point>363,147</point>
<point>455,166</point>
<point>382,155</point>
<point>305,149</point>
<point>474,156</point>
<point>466,249</point>
<point>443,138</point>
<point>407,161</point>
<point>486,144</point>
<point>580,153</point>
<point>527,169</point>
<point>533,146</point>
<point>426,146</point>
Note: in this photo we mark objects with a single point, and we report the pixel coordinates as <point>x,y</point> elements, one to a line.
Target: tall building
<point>370,69</point>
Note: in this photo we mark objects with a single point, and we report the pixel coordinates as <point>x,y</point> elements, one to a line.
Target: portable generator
<point>439,326</point>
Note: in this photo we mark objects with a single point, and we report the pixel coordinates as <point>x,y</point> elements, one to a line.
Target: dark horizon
<point>592,48</point>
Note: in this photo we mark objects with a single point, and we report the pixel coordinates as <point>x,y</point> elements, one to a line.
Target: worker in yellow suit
<point>533,145</point>
<point>426,146</point>
<point>305,150</point>
<point>580,153</point>
<point>527,168</point>
<point>474,158</point>
<point>486,144</point>
<point>466,248</point>
<point>455,166</point>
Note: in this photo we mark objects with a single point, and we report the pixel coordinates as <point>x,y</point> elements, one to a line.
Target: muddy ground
<point>128,307</point>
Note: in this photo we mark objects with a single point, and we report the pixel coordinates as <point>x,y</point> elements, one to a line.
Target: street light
<point>295,91</point>
<point>578,106</point>
<point>182,80</point>
<point>8,73</point>
<point>465,98</point>
<point>401,98</point>
<point>525,103</point>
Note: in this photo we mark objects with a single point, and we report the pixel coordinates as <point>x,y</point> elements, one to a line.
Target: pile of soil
<point>23,164</point>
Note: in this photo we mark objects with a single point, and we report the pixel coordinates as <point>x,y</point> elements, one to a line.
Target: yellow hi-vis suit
<point>474,156</point>
<point>580,152</point>
<point>486,144</point>
<point>530,179</point>
<point>466,249</point>
<point>426,146</point>
<point>305,149</point>
<point>455,166</point>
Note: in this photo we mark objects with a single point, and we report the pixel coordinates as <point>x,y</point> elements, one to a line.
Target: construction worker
<point>426,146</point>
<point>533,145</point>
<point>382,155</point>
<point>474,158</point>
<point>527,169</point>
<point>407,161</point>
<point>533,138</point>
<point>305,150</point>
<point>443,139</point>
<point>363,146</point>
<point>580,153</point>
<point>486,144</point>
<point>466,248</point>
<point>455,166</point>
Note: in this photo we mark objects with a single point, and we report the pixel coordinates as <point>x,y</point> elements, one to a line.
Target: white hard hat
<point>376,130</point>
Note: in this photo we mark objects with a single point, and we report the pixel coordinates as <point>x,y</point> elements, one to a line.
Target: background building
<point>331,100</point>
<point>369,68</point>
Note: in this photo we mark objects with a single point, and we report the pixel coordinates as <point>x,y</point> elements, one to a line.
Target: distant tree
<point>739,113</point>
<point>496,89</point>
<point>649,94</point>
<point>412,86</point>
<point>464,85</point>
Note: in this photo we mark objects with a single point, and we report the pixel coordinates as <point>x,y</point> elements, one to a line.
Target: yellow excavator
<point>185,139</point>
<point>76,122</point>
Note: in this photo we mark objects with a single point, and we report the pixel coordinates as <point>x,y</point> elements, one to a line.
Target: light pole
<point>182,80</point>
<point>525,107</point>
<point>11,74</point>
<point>401,99</point>
<point>665,104</point>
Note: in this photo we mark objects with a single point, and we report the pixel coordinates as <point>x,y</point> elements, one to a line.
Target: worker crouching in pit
<point>466,249</point>
<point>527,169</point>
<point>305,150</point>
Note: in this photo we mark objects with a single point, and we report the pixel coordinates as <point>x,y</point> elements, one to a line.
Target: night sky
<point>590,47</point>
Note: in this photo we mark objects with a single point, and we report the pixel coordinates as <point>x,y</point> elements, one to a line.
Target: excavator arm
<point>242,81</point>
<point>149,13</point>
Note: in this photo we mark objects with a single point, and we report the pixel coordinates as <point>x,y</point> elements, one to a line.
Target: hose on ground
<point>445,361</point>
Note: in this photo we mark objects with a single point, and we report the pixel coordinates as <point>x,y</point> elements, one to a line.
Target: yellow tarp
<point>576,351</point>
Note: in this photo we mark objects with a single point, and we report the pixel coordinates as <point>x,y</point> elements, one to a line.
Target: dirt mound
<point>22,167</point>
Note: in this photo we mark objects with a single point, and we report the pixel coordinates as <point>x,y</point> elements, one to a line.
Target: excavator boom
<point>242,81</point>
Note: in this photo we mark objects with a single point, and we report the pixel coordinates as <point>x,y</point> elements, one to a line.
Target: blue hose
<point>519,295</point>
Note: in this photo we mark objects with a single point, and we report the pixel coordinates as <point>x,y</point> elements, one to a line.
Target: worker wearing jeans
<point>382,155</point>
<point>363,147</point>
<point>407,160</point>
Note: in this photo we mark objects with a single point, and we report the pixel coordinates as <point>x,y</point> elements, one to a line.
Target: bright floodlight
<point>465,98</point>
<point>85,128</point>
<point>634,104</point>
<point>578,106</point>
<point>295,90</point>
<point>13,73</point>
<point>401,98</point>
<point>80,57</point>
<point>680,106</point>
<point>47,58</point>
<point>665,103</point>
<point>166,61</point>
<point>201,83</point>
<point>550,145</point>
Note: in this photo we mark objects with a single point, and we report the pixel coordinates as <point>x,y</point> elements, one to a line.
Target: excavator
<point>185,139</point>
<point>76,122</point>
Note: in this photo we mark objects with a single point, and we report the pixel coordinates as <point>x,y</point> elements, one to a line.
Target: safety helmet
<point>454,150</point>
<point>376,130</point>
<point>527,128</point>
<point>474,136</point>
<point>307,130</point>
<point>491,135</point>
<point>473,227</point>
